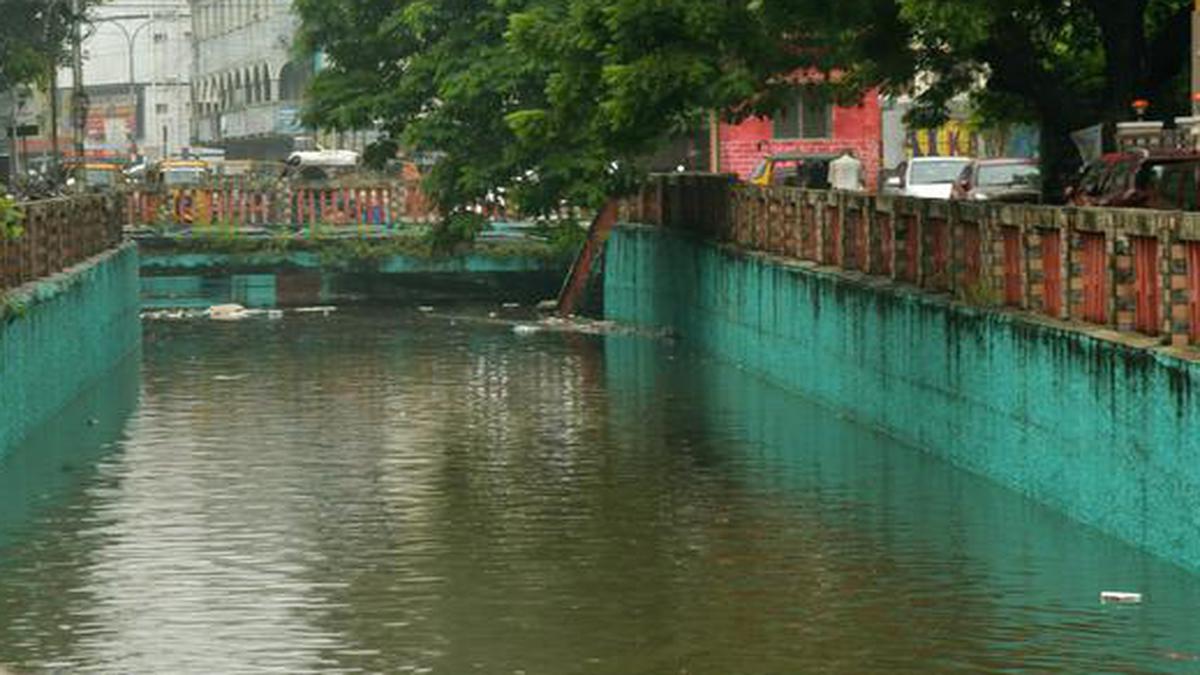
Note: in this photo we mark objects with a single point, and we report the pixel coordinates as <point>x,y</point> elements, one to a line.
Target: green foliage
<point>32,38</point>
<point>566,237</point>
<point>11,218</point>
<point>979,294</point>
<point>347,252</point>
<point>456,230</point>
<point>12,307</point>
<point>556,100</point>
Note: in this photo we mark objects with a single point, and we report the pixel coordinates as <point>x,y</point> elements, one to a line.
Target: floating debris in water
<point>526,329</point>
<point>323,310</point>
<point>231,312</point>
<point>1120,598</point>
<point>275,314</point>
<point>230,378</point>
<point>425,309</point>
<point>174,314</point>
<point>511,305</point>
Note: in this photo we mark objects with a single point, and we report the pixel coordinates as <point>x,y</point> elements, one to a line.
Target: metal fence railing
<point>57,234</point>
<point>240,206</point>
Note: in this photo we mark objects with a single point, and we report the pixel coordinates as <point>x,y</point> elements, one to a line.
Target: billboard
<point>112,120</point>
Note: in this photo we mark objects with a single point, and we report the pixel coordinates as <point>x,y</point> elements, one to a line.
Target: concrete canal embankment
<point>63,332</point>
<point>1103,428</point>
<point>181,273</point>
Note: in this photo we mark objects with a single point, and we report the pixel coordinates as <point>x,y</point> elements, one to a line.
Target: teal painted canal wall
<point>1106,433</point>
<point>62,334</point>
<point>187,280</point>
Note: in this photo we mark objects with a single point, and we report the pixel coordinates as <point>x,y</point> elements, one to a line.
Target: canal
<point>382,490</point>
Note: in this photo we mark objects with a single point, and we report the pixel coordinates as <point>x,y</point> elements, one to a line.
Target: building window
<point>161,108</point>
<point>808,115</point>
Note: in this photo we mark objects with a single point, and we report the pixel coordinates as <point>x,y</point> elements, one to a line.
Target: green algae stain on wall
<point>1107,434</point>
<point>75,328</point>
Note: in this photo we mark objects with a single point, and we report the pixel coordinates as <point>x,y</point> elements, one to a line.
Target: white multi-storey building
<point>137,77</point>
<point>247,81</point>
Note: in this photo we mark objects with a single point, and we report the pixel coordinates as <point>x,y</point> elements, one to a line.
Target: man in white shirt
<point>846,173</point>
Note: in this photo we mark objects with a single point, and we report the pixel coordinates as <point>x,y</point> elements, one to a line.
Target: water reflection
<point>43,591</point>
<point>386,492</point>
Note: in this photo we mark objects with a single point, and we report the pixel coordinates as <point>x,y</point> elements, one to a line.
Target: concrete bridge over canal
<point>76,280</point>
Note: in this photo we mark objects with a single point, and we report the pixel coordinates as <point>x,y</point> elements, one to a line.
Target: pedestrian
<point>846,173</point>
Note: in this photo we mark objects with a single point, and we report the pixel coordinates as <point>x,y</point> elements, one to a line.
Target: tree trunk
<point>1060,160</point>
<point>1123,32</point>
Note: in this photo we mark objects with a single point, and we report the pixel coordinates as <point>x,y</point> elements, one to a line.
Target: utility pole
<point>1196,59</point>
<point>79,107</point>
<point>52,20</point>
<point>55,156</point>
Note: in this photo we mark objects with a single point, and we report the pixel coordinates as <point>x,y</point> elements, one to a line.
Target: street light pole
<point>1196,59</point>
<point>55,151</point>
<point>130,42</point>
<point>78,97</point>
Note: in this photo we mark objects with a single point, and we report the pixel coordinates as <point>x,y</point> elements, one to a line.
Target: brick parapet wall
<point>1080,265</point>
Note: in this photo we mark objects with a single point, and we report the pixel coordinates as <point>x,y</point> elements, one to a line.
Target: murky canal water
<point>390,492</point>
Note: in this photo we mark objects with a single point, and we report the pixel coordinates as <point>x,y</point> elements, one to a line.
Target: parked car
<point>250,168</point>
<point>1000,180</point>
<point>1168,180</point>
<point>926,177</point>
<point>796,169</point>
<point>321,164</point>
<point>96,176</point>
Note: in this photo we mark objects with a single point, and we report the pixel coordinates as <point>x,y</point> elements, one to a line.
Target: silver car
<point>926,177</point>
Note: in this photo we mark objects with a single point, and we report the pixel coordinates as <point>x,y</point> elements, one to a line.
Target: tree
<point>548,99</point>
<point>1061,63</point>
<point>435,74</point>
<point>32,37</point>
<point>559,98</point>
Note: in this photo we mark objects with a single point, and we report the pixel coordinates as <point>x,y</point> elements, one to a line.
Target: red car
<point>1166,180</point>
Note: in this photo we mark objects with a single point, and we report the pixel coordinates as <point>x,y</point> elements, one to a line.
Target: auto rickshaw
<point>179,173</point>
<point>794,169</point>
<point>180,181</point>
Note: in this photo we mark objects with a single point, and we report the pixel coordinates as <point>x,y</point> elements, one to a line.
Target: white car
<point>320,164</point>
<point>927,177</point>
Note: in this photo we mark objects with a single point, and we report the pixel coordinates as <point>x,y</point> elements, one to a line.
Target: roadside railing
<point>57,234</point>
<point>238,205</point>
<point>1130,270</point>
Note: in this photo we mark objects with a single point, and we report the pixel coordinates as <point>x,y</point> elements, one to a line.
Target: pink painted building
<point>811,124</point>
